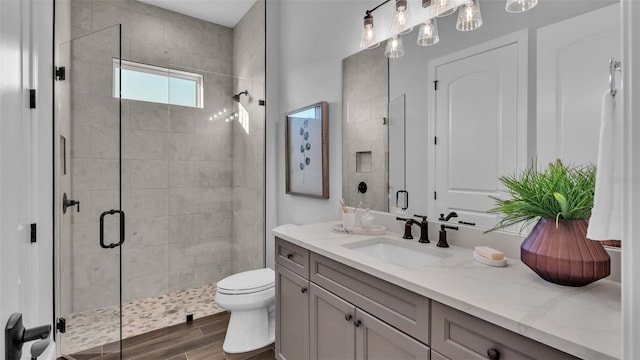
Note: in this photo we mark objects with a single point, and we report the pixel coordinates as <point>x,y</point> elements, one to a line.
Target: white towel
<point>606,215</point>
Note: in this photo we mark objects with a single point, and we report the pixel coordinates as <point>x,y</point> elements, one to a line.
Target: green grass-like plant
<point>560,191</point>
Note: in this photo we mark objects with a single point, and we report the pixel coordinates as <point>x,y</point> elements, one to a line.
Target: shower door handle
<point>113,245</point>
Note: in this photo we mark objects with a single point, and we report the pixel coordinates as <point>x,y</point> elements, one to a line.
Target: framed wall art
<point>307,151</point>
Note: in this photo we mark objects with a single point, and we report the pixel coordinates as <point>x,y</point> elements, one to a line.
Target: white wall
<point>25,154</point>
<point>306,42</point>
<point>631,227</point>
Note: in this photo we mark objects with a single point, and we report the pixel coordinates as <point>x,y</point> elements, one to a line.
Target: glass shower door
<point>88,193</point>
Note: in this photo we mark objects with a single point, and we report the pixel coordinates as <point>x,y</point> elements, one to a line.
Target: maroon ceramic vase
<point>563,254</point>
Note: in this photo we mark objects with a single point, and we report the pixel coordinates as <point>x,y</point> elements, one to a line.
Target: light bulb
<point>210,118</point>
<point>518,6</point>
<point>443,8</point>
<point>394,48</point>
<point>469,17</point>
<point>401,23</point>
<point>428,33</point>
<point>368,38</point>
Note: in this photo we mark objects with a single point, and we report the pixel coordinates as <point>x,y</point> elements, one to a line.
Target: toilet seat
<point>247,282</point>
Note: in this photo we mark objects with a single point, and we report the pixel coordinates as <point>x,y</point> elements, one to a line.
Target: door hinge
<point>435,85</point>
<point>61,325</point>
<point>435,195</point>
<point>32,98</point>
<point>60,73</point>
<point>34,237</point>
<point>435,140</point>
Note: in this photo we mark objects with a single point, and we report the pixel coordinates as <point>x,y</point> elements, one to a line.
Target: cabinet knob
<point>303,290</point>
<point>348,317</point>
<point>493,354</point>
<point>357,323</point>
<point>289,256</point>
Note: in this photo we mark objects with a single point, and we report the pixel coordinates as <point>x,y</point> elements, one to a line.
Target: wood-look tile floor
<point>199,340</point>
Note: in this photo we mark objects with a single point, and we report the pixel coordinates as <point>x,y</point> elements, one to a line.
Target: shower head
<point>236,98</point>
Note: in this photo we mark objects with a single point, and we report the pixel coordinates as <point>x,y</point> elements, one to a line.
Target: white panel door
<point>573,75</point>
<point>476,123</point>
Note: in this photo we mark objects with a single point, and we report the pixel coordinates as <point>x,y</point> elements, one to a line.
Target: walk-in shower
<point>171,196</point>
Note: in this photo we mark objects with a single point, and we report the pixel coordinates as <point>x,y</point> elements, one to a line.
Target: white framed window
<point>157,84</point>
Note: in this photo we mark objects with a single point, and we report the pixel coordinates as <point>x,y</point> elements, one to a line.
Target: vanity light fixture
<point>428,33</point>
<point>518,6</point>
<point>469,17</point>
<point>401,22</point>
<point>394,48</point>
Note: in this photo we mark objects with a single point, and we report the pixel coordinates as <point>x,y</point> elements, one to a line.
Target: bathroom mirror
<point>561,40</point>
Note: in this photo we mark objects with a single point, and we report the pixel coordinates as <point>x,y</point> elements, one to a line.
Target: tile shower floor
<point>98,327</point>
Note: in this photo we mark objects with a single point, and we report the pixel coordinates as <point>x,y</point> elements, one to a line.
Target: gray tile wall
<point>177,164</point>
<point>248,145</point>
<point>365,92</point>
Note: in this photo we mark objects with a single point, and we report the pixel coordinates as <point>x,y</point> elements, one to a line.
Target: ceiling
<point>222,12</point>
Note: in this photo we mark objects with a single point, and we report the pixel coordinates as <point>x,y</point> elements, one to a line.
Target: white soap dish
<point>373,230</point>
<point>487,261</point>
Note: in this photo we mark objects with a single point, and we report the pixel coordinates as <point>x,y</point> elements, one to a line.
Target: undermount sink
<point>409,255</point>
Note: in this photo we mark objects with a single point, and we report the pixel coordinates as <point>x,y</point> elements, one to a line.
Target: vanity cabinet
<point>292,301</point>
<point>329,310</point>
<point>333,330</point>
<point>340,330</point>
<point>292,315</point>
<point>458,335</point>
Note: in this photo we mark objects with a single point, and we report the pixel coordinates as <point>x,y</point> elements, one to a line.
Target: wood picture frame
<point>307,151</point>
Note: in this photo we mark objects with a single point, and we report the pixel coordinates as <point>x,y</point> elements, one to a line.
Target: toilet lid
<point>248,282</point>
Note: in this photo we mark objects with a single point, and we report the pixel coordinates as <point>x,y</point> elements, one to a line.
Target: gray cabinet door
<point>458,335</point>
<point>333,334</point>
<point>292,315</point>
<point>377,340</point>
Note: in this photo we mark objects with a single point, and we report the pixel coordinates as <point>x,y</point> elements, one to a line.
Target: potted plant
<point>560,199</point>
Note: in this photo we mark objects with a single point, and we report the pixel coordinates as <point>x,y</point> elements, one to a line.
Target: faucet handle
<point>424,217</point>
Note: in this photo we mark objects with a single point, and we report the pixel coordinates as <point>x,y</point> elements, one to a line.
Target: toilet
<point>250,297</point>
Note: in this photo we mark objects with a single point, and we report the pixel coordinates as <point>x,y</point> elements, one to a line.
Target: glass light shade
<point>517,6</point>
<point>469,17</point>
<point>428,33</point>
<point>443,8</point>
<point>368,37</point>
<point>394,48</point>
<point>401,22</point>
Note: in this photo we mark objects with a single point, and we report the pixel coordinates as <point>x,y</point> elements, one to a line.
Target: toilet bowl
<point>250,297</point>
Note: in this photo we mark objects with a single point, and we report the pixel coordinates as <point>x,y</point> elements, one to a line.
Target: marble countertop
<point>584,322</point>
